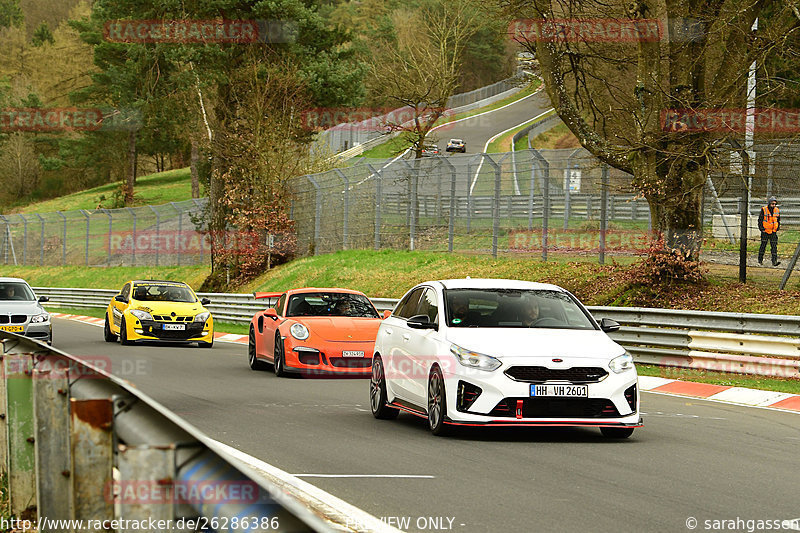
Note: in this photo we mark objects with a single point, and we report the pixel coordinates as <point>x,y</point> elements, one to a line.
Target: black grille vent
<point>630,397</point>
<point>540,374</point>
<point>557,408</point>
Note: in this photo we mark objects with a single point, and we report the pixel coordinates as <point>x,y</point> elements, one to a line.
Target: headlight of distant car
<point>202,317</point>
<point>141,315</point>
<point>37,319</point>
<point>474,359</point>
<point>620,364</point>
<point>299,332</point>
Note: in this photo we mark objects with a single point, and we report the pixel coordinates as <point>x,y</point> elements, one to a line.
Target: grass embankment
<point>153,189</point>
<point>557,137</point>
<point>103,278</point>
<point>503,143</point>
<point>397,145</point>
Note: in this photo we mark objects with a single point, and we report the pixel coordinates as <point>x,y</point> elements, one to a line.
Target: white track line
<point>333,509</point>
<point>486,147</point>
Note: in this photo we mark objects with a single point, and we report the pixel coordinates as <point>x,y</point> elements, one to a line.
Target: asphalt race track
<point>693,458</point>
<point>477,130</point>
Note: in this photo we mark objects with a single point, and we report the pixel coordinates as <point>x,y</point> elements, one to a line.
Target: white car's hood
<point>537,342</point>
<point>21,307</point>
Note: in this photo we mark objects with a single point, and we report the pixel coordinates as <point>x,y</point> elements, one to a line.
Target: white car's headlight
<point>38,319</point>
<point>299,332</point>
<point>202,317</point>
<point>620,364</point>
<point>475,359</point>
<point>141,315</point>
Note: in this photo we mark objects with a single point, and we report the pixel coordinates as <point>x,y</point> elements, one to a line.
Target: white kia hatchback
<point>495,352</point>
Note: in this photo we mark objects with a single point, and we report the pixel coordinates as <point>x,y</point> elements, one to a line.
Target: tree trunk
<point>193,164</point>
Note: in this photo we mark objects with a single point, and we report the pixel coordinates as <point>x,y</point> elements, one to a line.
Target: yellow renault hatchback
<point>166,311</point>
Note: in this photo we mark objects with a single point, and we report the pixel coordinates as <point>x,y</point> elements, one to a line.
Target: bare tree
<point>678,58</point>
<point>419,66</point>
<point>19,166</point>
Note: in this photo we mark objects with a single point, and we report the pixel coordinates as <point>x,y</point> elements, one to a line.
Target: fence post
<point>41,241</point>
<point>346,206</point>
<point>52,446</point>
<point>568,187</point>
<point>19,417</point>
<point>603,212</point>
<point>133,247</point>
<point>317,211</point>
<point>545,198</point>
<point>451,215</point>
<point>158,230</point>
<point>63,239</point>
<point>152,467</point>
<point>24,238</point>
<point>85,214</point>
<point>91,442</point>
<point>378,195</point>
<point>110,226</point>
<point>180,232</point>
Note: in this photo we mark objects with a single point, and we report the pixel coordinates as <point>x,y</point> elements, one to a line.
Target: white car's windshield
<point>512,308</point>
<point>15,290</point>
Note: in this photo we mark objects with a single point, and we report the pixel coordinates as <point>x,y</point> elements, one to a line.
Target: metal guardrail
<point>729,342</point>
<point>78,443</point>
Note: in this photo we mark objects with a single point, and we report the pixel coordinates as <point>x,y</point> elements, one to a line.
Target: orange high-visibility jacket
<point>770,219</point>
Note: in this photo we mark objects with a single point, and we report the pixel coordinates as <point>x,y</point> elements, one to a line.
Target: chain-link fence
<point>150,235</point>
<point>534,202</point>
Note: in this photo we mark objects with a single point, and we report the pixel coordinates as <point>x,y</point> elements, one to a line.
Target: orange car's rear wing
<point>259,295</point>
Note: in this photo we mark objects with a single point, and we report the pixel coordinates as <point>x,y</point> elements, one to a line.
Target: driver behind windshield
<point>530,310</point>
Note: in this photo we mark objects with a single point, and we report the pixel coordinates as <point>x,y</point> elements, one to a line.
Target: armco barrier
<point>731,342</point>
<point>78,443</point>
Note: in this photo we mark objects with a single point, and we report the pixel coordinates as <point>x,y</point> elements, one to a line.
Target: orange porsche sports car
<point>314,332</point>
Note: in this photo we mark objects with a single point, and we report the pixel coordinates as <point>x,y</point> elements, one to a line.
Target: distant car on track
<point>456,145</point>
<point>486,352</point>
<point>166,311</point>
<point>21,311</point>
<point>430,150</point>
<point>314,331</point>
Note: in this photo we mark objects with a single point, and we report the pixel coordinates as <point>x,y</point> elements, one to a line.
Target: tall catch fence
<point>534,202</point>
<point>150,235</point>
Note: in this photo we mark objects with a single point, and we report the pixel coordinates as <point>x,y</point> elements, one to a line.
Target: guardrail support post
<point>147,477</point>
<point>21,458</point>
<point>51,424</point>
<point>92,458</point>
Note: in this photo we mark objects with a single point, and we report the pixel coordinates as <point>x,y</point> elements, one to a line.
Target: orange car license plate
<point>352,353</point>
<point>13,328</point>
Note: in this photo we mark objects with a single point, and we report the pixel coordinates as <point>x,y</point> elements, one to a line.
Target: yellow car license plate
<point>13,328</point>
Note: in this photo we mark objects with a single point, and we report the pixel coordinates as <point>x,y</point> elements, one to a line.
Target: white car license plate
<point>175,327</point>
<point>352,353</point>
<point>564,391</point>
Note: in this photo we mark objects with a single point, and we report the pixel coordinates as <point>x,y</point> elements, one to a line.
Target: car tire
<point>252,360</point>
<point>437,403</point>
<point>378,399</point>
<point>107,335</point>
<point>123,334</point>
<point>616,433</point>
<point>280,361</point>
